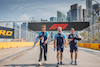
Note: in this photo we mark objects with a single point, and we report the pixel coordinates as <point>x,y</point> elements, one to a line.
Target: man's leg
<point>71,51</point>
<point>41,50</point>
<point>76,50</point>
<point>75,55</point>
<point>58,52</point>
<point>45,53</point>
<point>61,56</point>
<point>71,56</point>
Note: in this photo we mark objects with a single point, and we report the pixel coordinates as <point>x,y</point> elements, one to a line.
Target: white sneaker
<point>39,63</point>
<point>45,62</point>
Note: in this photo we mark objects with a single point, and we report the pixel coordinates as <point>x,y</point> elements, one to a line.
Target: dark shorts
<point>74,48</point>
<point>59,48</point>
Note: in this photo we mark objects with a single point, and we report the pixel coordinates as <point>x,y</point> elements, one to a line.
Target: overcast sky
<point>11,10</point>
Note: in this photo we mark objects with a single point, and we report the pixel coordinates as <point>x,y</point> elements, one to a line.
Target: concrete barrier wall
<point>24,44</point>
<point>90,45</point>
<point>16,44</point>
<point>95,46</point>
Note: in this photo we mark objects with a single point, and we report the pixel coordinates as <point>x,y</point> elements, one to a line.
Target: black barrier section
<point>6,32</point>
<point>52,26</point>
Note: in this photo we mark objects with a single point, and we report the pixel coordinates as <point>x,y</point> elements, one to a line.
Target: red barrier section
<point>99,46</point>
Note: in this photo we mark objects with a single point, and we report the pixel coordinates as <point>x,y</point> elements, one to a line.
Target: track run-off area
<point>28,57</point>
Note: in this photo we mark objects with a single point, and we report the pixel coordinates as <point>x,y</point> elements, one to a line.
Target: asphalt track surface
<point>29,58</point>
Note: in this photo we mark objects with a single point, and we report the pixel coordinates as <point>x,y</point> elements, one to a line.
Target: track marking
<point>15,54</point>
<point>91,52</point>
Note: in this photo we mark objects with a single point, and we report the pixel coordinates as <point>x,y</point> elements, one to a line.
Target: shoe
<point>45,62</point>
<point>61,62</point>
<point>75,63</point>
<point>57,63</point>
<point>71,62</point>
<point>39,63</point>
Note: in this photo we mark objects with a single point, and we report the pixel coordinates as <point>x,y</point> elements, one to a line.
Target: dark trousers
<point>43,47</point>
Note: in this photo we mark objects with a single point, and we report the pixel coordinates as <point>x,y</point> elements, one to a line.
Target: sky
<point>15,10</point>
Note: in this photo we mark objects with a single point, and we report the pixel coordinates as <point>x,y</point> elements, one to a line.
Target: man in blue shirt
<point>44,36</point>
<point>60,37</point>
<point>73,44</point>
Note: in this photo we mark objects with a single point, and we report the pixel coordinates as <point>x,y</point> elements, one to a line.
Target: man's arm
<point>55,40</point>
<point>54,43</point>
<point>69,39</point>
<point>41,37</point>
<point>64,37</point>
<point>66,42</point>
<point>47,38</point>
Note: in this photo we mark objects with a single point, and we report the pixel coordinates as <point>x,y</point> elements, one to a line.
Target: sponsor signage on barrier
<point>90,45</point>
<point>87,45</point>
<point>99,46</point>
<point>6,32</point>
<point>52,26</point>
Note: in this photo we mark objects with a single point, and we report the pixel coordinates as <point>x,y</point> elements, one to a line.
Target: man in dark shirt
<point>60,38</point>
<point>44,36</point>
<point>73,44</point>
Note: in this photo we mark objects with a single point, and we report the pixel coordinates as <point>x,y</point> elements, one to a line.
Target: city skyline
<point>25,10</point>
<point>12,10</point>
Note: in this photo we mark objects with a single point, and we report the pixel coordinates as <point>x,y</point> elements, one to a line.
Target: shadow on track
<point>27,65</point>
<point>34,65</point>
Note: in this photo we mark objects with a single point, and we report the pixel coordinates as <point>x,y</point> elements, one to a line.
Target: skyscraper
<point>61,16</point>
<point>24,28</point>
<point>16,30</point>
<point>95,7</point>
<point>89,19</point>
<point>69,16</point>
<point>74,12</point>
<point>89,10</point>
<point>96,14</point>
<point>80,13</point>
<point>53,19</point>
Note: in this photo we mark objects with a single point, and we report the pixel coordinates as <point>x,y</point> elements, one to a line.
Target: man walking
<point>44,36</point>
<point>60,37</point>
<point>73,44</point>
